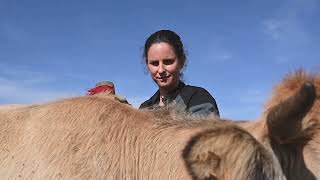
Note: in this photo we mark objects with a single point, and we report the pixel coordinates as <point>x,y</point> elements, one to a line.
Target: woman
<point>165,59</point>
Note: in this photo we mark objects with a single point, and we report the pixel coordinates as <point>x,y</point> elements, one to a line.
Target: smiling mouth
<point>163,78</point>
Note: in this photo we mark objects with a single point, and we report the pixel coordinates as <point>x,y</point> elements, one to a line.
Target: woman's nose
<point>161,68</point>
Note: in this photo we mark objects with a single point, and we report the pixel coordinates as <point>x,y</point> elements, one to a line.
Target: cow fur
<point>95,137</point>
<point>88,138</point>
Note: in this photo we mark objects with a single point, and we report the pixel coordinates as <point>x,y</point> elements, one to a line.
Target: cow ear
<point>285,119</point>
<point>203,165</point>
<point>200,160</point>
<point>226,150</point>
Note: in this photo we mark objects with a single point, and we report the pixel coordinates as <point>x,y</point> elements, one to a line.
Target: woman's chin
<point>166,85</point>
<point>163,84</point>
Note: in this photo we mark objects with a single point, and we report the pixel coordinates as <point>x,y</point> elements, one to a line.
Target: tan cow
<point>95,137</point>
<point>289,130</point>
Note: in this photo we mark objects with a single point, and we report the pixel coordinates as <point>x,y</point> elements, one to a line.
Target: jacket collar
<point>171,95</point>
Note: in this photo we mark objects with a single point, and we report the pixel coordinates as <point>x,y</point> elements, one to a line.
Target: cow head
<point>289,147</point>
<point>294,128</point>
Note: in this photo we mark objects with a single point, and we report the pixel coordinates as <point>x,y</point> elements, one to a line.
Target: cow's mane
<point>291,84</point>
<point>166,118</point>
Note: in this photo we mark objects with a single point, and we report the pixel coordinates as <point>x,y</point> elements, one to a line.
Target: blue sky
<point>237,50</point>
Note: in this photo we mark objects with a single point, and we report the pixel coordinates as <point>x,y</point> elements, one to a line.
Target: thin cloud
<point>222,56</point>
<point>13,92</point>
<point>22,85</point>
<point>217,53</point>
<point>241,113</point>
<point>286,25</point>
<point>281,60</point>
<point>287,29</point>
<point>215,50</point>
<point>273,28</point>
<point>23,74</point>
<point>253,96</point>
<point>250,103</point>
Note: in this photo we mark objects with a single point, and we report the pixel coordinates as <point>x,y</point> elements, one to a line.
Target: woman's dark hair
<point>169,37</point>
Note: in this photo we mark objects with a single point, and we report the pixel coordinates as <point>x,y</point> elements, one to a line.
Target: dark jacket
<point>195,100</point>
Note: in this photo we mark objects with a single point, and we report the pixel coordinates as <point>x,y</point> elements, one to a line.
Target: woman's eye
<point>154,63</point>
<point>168,61</point>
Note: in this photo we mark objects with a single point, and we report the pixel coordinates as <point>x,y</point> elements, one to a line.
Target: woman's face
<point>163,65</point>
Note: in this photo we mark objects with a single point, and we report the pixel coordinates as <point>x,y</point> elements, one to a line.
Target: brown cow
<point>289,130</point>
<point>96,137</point>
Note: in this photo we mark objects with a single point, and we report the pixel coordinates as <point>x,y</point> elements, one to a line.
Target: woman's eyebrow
<point>153,60</point>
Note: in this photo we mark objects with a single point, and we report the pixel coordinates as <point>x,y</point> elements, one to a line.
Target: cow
<point>97,137</point>
<point>289,129</point>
